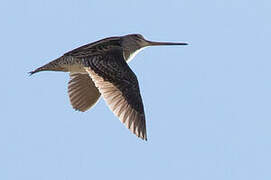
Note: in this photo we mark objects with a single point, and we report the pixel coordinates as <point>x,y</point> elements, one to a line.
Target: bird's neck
<point>129,55</point>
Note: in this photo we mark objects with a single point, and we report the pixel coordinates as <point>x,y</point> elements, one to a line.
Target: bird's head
<point>137,41</point>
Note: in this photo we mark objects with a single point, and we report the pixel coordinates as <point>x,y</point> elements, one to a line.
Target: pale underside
<point>82,91</point>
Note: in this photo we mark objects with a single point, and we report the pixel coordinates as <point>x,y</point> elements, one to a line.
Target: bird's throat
<point>133,54</point>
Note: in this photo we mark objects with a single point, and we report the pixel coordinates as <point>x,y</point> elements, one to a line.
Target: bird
<point>101,69</point>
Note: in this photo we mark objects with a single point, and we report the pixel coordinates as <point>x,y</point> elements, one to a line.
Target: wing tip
<point>144,138</point>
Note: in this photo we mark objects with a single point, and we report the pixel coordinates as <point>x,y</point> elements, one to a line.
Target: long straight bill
<point>153,43</point>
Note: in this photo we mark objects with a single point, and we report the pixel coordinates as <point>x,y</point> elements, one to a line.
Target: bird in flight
<point>100,69</point>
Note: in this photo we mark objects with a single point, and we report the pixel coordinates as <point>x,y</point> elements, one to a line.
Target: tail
<point>57,65</point>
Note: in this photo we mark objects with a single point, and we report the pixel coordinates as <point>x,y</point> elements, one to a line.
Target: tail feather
<point>56,65</point>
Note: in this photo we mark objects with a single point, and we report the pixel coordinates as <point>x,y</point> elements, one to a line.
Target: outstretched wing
<point>82,91</point>
<point>119,87</point>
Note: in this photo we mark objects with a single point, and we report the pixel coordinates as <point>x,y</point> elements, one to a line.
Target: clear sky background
<point>207,105</point>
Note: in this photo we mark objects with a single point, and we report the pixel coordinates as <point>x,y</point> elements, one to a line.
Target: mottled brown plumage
<point>101,68</point>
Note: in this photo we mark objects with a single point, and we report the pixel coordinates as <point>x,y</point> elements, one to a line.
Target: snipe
<point>101,68</point>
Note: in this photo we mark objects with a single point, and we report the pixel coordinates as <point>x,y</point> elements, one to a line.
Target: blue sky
<point>207,105</point>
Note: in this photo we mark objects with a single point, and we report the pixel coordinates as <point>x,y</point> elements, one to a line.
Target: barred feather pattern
<point>119,87</point>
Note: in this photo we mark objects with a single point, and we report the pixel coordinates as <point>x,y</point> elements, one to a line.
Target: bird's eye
<point>139,36</point>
